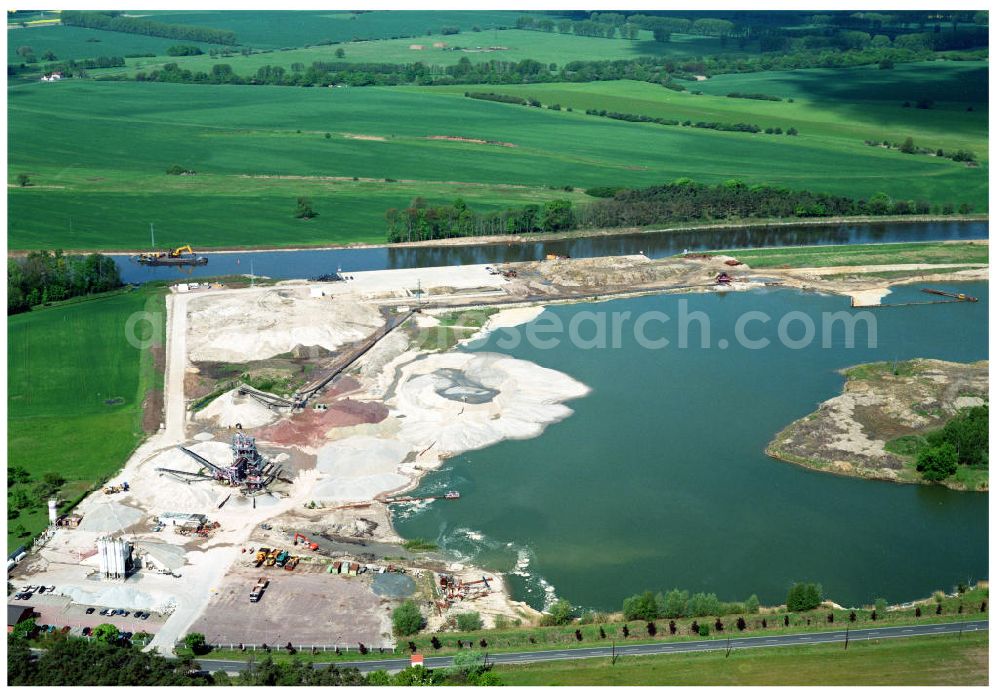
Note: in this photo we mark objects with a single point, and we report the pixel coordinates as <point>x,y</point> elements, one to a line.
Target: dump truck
<point>282,558</point>
<point>291,563</point>
<point>272,557</point>
<point>261,557</point>
<point>258,590</point>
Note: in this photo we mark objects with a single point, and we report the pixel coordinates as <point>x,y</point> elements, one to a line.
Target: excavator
<point>181,256</point>
<point>305,540</point>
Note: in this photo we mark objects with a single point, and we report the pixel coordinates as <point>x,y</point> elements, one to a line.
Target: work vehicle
<point>282,558</point>
<point>90,610</point>
<point>306,540</point>
<point>291,563</point>
<point>181,256</point>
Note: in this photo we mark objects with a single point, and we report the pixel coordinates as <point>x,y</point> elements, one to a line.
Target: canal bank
<point>309,263</point>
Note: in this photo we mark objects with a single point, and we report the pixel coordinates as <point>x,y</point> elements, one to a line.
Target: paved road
<point>655,648</point>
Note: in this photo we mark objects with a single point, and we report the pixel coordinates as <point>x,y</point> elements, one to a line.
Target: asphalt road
<point>395,664</point>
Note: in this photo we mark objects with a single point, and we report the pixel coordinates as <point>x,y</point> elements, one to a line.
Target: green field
<point>63,364</point>
<point>865,255</point>
<point>96,153</point>
<point>943,660</point>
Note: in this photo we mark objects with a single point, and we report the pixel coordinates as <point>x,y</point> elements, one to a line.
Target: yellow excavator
<point>180,250</point>
<point>181,256</point>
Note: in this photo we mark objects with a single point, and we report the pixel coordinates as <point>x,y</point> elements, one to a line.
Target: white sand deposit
<point>110,516</point>
<point>126,596</point>
<point>230,408</point>
<point>195,497</point>
<point>359,468</point>
<point>528,398</point>
<point>229,328</point>
<point>171,556</point>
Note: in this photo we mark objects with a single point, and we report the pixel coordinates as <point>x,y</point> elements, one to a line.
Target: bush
<point>195,642</point>
<point>559,614</point>
<point>938,463</point>
<point>407,619</point>
<point>469,621</point>
<point>804,596</point>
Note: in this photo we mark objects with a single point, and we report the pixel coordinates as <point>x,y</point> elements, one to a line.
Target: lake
<point>659,480</point>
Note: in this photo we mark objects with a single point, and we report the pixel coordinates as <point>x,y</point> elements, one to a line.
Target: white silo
<point>53,511</point>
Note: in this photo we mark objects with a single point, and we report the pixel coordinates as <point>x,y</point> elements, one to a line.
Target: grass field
<point>939,660</point>
<point>865,255</point>
<point>63,364</point>
<point>97,152</point>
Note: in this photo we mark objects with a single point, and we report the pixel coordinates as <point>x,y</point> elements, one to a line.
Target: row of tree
<point>711,125</point>
<point>680,201</point>
<point>45,276</point>
<point>677,604</point>
<point>115,21</point>
<point>663,71</point>
<point>103,661</point>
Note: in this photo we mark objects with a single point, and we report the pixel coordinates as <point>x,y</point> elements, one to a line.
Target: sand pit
<point>110,517</point>
<point>230,408</point>
<point>242,326</point>
<point>359,468</point>
<point>310,427</point>
<point>527,398</point>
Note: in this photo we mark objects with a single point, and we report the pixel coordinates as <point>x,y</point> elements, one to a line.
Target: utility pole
<point>152,236</point>
<point>614,655</point>
<point>729,644</point>
<point>847,636</point>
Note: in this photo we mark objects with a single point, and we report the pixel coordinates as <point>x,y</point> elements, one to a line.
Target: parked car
<point>90,610</point>
<point>105,612</point>
<point>65,629</point>
<point>41,589</point>
<point>145,615</point>
<point>124,613</point>
<point>86,630</point>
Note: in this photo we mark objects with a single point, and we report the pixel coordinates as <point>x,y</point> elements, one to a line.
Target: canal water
<point>659,480</point>
<point>313,263</point>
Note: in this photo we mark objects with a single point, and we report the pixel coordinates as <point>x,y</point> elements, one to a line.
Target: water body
<point>313,263</point>
<point>659,478</point>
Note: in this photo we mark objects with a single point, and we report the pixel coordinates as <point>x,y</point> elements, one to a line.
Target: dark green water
<point>659,478</point>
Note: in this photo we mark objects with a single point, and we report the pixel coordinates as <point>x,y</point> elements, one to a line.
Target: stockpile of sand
<point>126,596</point>
<point>164,493</point>
<point>256,325</point>
<point>359,468</point>
<point>230,408</point>
<point>527,398</point>
<point>110,517</point>
<point>310,427</point>
<point>168,555</point>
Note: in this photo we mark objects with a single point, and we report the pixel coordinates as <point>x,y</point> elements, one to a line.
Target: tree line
<point>680,201</point>
<point>711,125</point>
<point>115,21</point>
<point>69,661</point>
<point>45,276</point>
<point>662,71</point>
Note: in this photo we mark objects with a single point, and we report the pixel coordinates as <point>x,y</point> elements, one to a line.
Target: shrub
<point>195,642</point>
<point>407,619</point>
<point>469,621</point>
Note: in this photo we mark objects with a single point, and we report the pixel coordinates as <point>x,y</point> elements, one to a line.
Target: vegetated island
<point>918,421</point>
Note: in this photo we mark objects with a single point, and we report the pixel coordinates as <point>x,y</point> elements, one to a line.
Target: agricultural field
<point>77,42</point>
<point>870,107</point>
<point>96,154</point>
<point>75,394</point>
<point>935,660</point>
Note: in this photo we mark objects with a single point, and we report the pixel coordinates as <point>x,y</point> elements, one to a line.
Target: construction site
<point>298,414</point>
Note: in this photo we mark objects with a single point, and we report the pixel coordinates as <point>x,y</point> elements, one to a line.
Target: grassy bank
<point>864,255</point>
<point>76,390</point>
<point>531,638</point>
<point>938,660</point>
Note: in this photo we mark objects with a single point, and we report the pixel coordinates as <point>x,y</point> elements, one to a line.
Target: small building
<point>52,77</point>
<point>71,520</point>
<point>16,613</point>
<point>184,519</point>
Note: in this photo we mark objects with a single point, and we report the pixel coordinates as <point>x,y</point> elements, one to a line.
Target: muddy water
<point>309,264</point>
<point>659,478</point>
